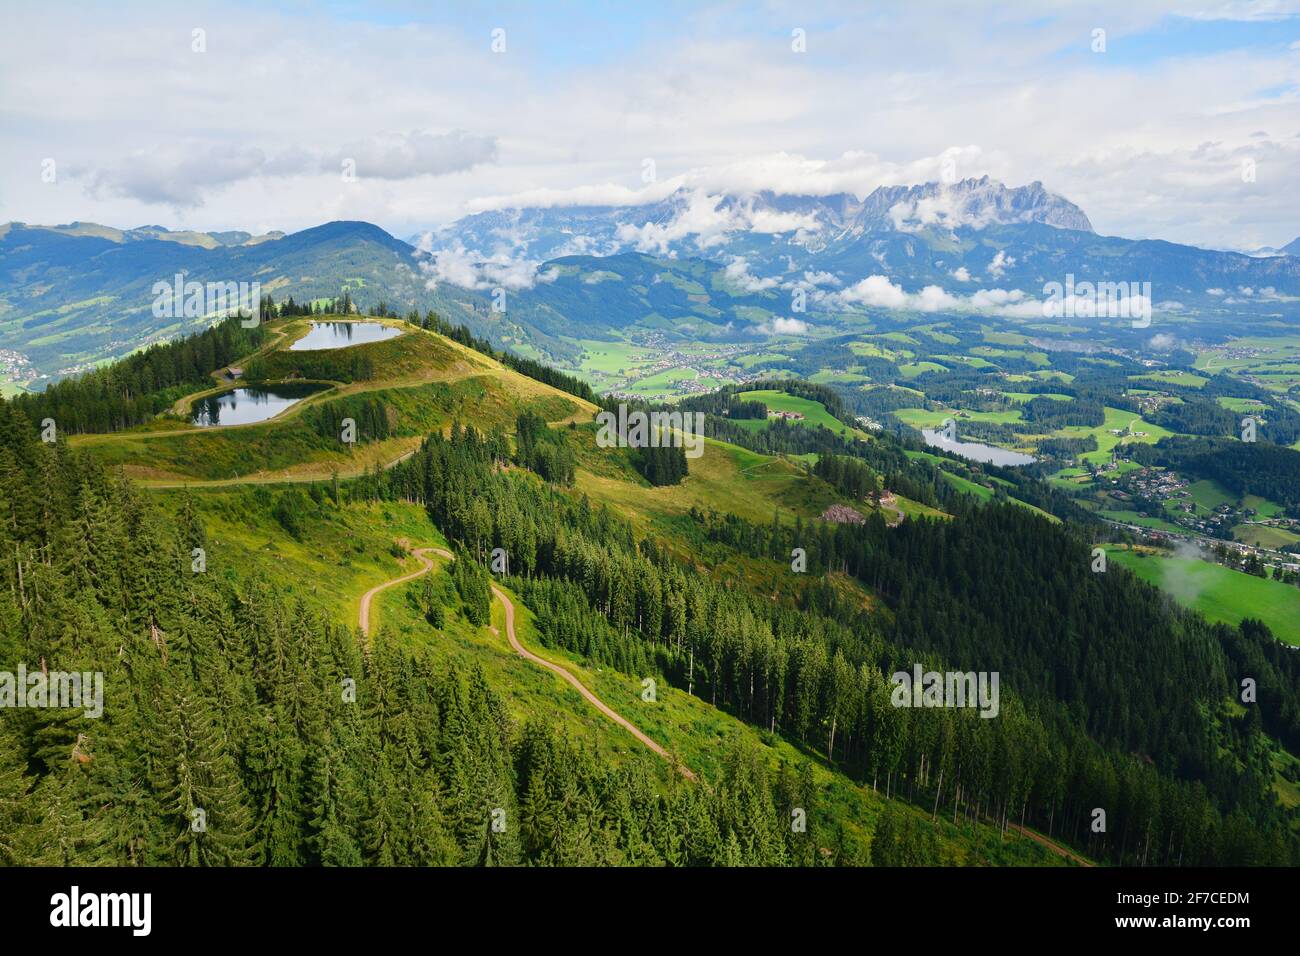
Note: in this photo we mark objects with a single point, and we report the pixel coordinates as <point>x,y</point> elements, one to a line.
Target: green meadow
<point>1220,593</point>
<point>814,413</point>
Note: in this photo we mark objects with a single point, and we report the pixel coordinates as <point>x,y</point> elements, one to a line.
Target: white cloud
<point>1247,10</point>
<point>877,291</point>
<point>961,274</point>
<point>175,174</point>
<point>1001,262</point>
<point>769,221</point>
<point>455,265</point>
<point>819,278</point>
<point>184,174</point>
<point>880,291</point>
<point>1099,306</point>
<point>737,272</point>
<point>701,220</point>
<point>934,299</point>
<point>996,298</point>
<point>416,153</point>
<point>783,326</point>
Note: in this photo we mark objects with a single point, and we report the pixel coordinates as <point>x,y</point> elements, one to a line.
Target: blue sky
<point>1174,37</point>
<point>567,33</point>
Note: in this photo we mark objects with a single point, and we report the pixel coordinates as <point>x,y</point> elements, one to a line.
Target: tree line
<point>135,389</point>
<point>544,450</point>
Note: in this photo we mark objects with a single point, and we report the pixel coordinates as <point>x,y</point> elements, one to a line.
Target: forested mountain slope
<point>232,701</point>
<point>1111,698</point>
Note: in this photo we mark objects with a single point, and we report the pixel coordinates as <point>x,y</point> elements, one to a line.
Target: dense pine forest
<point>544,450</point>
<point>1116,700</point>
<point>661,465</point>
<point>240,728</point>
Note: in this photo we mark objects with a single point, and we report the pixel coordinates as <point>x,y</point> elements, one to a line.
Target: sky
<point>1173,120</point>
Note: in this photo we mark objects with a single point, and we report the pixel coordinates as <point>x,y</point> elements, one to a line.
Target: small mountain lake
<point>976,451</point>
<point>244,406</point>
<point>338,335</point>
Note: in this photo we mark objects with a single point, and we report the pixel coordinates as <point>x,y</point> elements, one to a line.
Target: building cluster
<point>14,366</point>
<point>709,367</point>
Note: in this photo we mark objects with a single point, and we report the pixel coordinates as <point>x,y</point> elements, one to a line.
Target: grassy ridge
<point>427,381</point>
<point>290,446</point>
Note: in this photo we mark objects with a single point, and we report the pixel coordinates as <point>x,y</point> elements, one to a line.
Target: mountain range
<point>689,220</point>
<point>692,265</point>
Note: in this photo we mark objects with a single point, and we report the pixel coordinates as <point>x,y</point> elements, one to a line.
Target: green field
<point>913,369</point>
<point>1172,378</point>
<point>1030,396</point>
<point>1220,593</point>
<point>1115,419</point>
<point>1264,536</point>
<point>982,492</point>
<point>757,358</point>
<point>611,358</point>
<point>814,413</point>
<point>923,418</point>
<point>971,360</point>
<point>1208,495</point>
<point>827,377</point>
<point>1240,404</point>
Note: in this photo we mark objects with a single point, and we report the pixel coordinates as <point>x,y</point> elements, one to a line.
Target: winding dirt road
<point>369,595</point>
<point>1051,844</point>
<point>568,676</point>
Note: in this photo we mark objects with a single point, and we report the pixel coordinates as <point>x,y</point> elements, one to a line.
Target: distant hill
<point>72,296</point>
<point>77,294</point>
<point>208,240</point>
<point>691,267</point>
